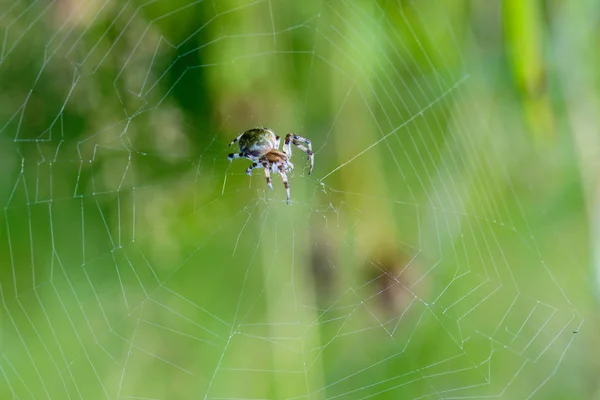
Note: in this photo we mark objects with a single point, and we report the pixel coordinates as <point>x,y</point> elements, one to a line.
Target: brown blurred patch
<point>322,267</point>
<point>77,13</point>
<point>395,279</point>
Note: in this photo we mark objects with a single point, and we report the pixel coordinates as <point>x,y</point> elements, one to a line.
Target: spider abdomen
<point>257,142</point>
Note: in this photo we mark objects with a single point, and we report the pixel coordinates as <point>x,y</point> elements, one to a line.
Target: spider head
<point>277,157</point>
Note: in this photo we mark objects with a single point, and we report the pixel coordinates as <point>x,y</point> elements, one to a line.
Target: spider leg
<point>285,182</point>
<point>236,155</point>
<point>268,175</point>
<point>286,145</point>
<point>277,142</point>
<point>251,167</point>
<point>301,143</point>
<point>236,139</point>
<point>261,164</point>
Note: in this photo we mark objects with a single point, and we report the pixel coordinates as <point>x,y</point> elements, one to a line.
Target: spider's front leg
<point>236,139</point>
<point>232,156</point>
<point>301,143</point>
<point>264,165</point>
<point>251,167</point>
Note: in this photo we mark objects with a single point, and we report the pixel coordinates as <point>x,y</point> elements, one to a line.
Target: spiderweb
<point>138,263</point>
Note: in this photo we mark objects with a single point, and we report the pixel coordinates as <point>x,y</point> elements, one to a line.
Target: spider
<point>261,146</point>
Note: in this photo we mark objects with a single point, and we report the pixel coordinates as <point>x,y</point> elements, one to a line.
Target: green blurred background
<point>445,245</point>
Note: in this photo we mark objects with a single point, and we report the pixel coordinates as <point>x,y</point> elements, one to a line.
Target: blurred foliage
<point>445,245</point>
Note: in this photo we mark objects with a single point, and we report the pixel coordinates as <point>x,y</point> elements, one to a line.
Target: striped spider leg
<point>285,182</point>
<point>236,155</point>
<point>301,143</point>
<point>263,164</point>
